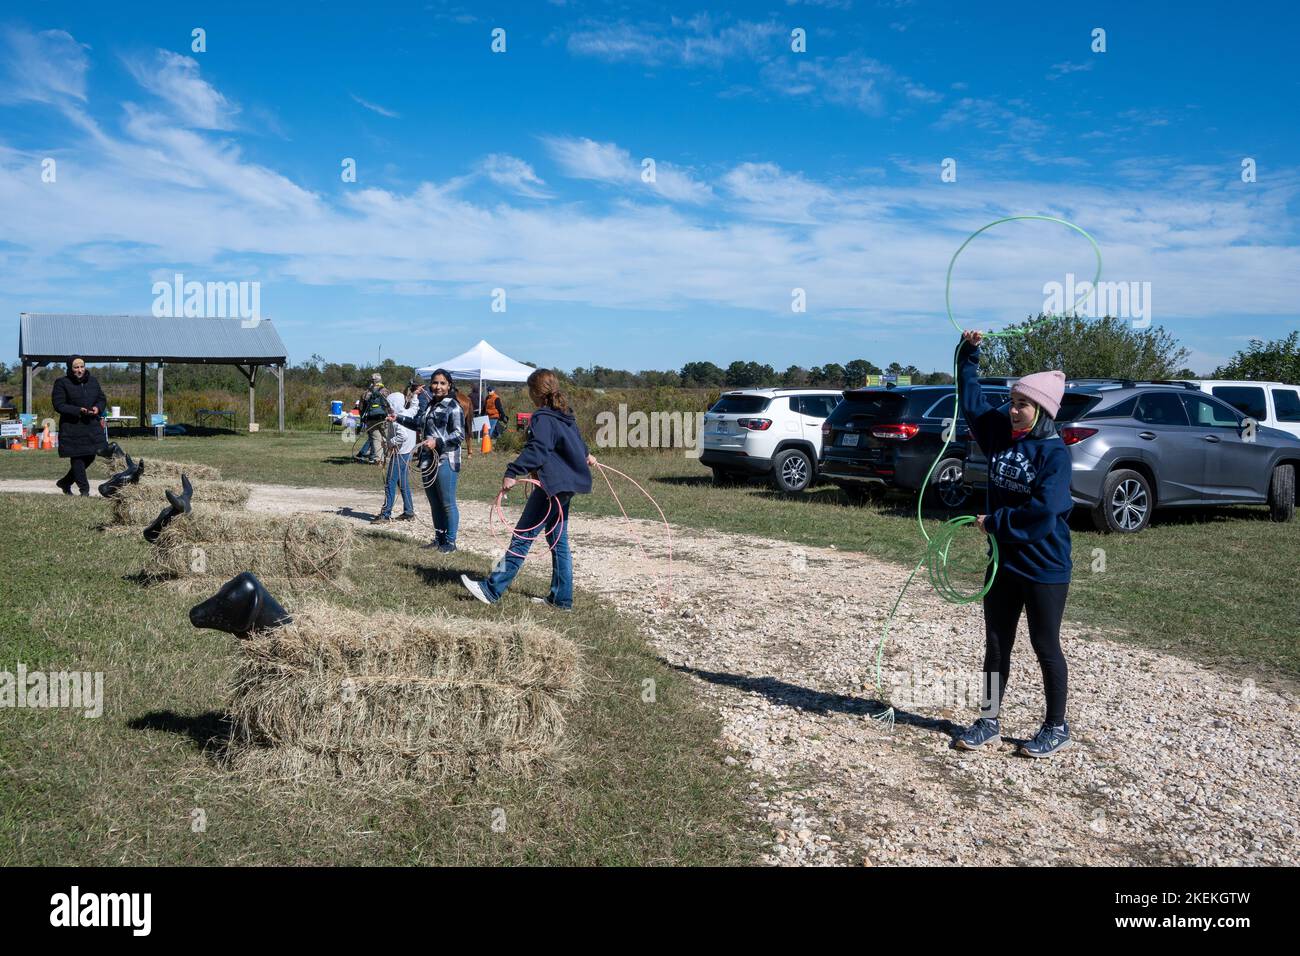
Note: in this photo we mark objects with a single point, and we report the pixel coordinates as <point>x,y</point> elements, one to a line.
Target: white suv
<point>1272,404</point>
<point>776,432</point>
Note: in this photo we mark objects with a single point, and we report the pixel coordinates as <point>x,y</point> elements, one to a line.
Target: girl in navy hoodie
<point>556,456</point>
<point>1027,510</point>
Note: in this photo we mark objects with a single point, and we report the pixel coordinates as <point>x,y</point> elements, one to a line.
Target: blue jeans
<point>557,538</point>
<point>368,449</point>
<point>399,476</point>
<point>442,502</point>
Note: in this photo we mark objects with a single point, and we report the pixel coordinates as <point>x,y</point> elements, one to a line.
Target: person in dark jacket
<point>80,403</point>
<point>557,457</point>
<point>1027,512</point>
<point>440,431</point>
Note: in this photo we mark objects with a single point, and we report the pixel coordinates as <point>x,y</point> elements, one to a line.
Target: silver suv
<point>1138,446</point>
<point>773,432</point>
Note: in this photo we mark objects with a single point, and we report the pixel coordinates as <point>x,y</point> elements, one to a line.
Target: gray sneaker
<point>983,731</point>
<point>1047,741</point>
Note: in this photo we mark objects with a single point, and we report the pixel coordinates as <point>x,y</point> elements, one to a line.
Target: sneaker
<point>447,548</point>
<point>475,588</point>
<point>65,488</point>
<point>983,731</point>
<point>431,545</point>
<point>381,519</point>
<point>406,517</point>
<point>1049,739</point>
<point>549,603</point>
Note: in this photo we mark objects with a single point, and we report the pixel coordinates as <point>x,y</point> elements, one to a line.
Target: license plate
<point>849,440</point>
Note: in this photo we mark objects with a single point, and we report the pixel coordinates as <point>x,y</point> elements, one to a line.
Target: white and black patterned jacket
<point>444,422</point>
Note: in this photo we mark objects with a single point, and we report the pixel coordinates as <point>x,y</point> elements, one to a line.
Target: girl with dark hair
<point>80,403</point>
<point>440,430</point>
<point>557,457</point>
<point>1027,510</point>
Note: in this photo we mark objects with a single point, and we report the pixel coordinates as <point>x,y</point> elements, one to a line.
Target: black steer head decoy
<point>127,476</point>
<point>241,607</point>
<point>177,505</point>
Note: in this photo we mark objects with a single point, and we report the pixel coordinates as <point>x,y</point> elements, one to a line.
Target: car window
<point>1124,409</point>
<point>1247,399</point>
<point>1075,406</point>
<point>870,405</point>
<point>818,406</point>
<point>1205,412</point>
<point>1286,401</point>
<point>1161,408</point>
<point>740,404</point>
<point>942,408</point>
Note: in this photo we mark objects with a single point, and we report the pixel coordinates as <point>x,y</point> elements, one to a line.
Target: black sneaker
<point>983,731</point>
<point>406,517</point>
<point>431,545</point>
<point>65,488</point>
<point>447,548</point>
<point>381,519</point>
<point>1047,741</point>
<point>549,603</point>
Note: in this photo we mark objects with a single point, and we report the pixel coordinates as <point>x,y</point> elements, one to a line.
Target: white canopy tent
<point>484,363</point>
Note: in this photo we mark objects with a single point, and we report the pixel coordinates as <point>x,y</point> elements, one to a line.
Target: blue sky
<point>775,170</point>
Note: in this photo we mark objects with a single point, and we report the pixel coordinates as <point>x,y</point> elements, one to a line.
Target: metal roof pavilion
<point>45,338</point>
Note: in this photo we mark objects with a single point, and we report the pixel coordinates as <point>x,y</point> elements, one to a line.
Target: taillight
<point>826,429</point>
<point>755,424</point>
<point>896,432</point>
<point>1072,436</point>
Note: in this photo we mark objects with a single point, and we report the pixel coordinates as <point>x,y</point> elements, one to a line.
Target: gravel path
<point>1174,762</point>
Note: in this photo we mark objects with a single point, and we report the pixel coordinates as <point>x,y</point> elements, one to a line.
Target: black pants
<point>1043,605</point>
<point>77,473</point>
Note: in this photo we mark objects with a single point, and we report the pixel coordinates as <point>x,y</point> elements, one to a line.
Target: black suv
<point>882,438</point>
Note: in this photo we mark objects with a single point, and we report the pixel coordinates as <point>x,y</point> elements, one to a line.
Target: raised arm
<point>991,428</point>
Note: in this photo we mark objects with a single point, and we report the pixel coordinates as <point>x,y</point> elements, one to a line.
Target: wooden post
<point>143,392</point>
<point>280,375</point>
<point>27,389</point>
<point>252,395</point>
<point>160,400</point>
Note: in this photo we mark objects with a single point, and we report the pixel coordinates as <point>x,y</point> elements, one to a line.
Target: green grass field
<point>649,787</point>
<point>1211,584</point>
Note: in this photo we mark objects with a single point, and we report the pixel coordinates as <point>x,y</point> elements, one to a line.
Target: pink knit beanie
<point>1045,389</point>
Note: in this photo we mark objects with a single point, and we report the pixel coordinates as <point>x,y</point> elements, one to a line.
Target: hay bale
<point>132,502</point>
<point>395,696</point>
<point>223,543</point>
<point>162,469</point>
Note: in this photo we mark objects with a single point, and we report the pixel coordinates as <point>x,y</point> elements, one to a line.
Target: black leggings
<point>77,473</point>
<point>1043,605</point>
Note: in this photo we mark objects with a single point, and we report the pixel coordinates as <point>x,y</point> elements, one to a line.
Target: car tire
<point>725,479</point>
<point>1281,493</point>
<point>946,489</point>
<point>1126,503</point>
<point>792,471</point>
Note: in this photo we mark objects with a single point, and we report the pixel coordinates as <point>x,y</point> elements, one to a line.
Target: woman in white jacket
<point>399,463</point>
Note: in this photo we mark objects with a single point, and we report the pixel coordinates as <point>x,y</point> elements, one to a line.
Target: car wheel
<point>792,470</point>
<point>723,478</point>
<point>1281,493</point>
<point>1126,503</point>
<point>946,489</point>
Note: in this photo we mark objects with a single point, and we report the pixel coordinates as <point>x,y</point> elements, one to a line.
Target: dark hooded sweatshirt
<point>1029,484</point>
<point>556,452</point>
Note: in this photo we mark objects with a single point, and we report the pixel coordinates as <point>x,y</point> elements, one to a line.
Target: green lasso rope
<point>937,546</point>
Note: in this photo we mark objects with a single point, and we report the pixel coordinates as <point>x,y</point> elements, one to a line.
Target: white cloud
<point>375,108</point>
<point>175,79</point>
<point>582,158</point>
<point>514,174</point>
<point>44,67</point>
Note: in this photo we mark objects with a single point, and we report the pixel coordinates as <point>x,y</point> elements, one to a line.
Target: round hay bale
<point>399,696</point>
<point>162,468</point>
<point>225,542</point>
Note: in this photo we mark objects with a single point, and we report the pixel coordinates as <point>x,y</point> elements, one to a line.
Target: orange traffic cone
<point>487,441</point>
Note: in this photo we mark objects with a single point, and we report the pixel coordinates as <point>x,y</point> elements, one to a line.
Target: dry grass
<point>225,542</point>
<point>132,501</point>
<point>161,468</point>
<point>394,696</point>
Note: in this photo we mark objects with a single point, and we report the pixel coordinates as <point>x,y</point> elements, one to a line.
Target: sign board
<point>11,430</point>
<point>156,419</point>
<point>887,379</point>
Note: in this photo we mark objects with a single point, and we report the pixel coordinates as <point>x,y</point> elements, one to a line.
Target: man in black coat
<point>80,402</point>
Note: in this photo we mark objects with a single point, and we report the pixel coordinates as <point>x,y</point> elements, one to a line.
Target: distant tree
<point>816,376</point>
<point>794,377</point>
<point>1084,348</point>
<point>856,372</point>
<point>701,375</point>
<point>833,375</point>
<point>1265,361</point>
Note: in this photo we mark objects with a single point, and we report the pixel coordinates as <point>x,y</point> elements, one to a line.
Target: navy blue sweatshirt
<point>1029,485</point>
<point>556,452</point>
